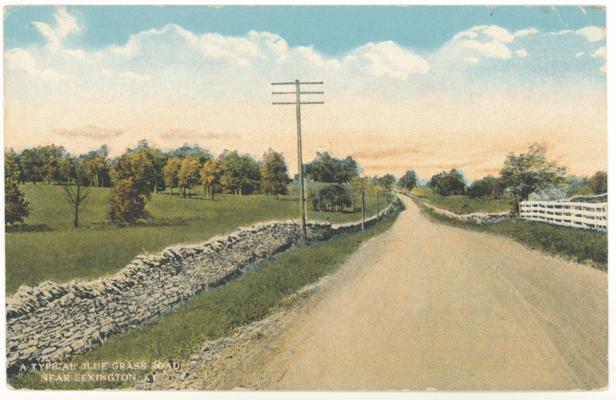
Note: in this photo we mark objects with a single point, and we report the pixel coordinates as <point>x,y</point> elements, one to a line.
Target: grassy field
<point>218,312</point>
<point>461,204</point>
<point>48,248</point>
<point>583,246</point>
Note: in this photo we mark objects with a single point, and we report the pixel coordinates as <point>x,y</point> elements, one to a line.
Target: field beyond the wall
<point>462,204</point>
<point>47,247</point>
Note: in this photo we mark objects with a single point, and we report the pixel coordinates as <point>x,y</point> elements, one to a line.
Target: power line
<point>300,165</point>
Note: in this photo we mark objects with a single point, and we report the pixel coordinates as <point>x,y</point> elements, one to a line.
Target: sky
<point>419,87</point>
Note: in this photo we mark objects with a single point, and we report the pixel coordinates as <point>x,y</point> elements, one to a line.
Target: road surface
<point>429,306</point>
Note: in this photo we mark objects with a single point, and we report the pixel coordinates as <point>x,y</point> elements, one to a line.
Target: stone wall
<point>52,321</point>
<point>473,218</point>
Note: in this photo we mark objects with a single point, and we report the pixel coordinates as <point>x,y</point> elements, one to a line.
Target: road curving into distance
<point>429,306</point>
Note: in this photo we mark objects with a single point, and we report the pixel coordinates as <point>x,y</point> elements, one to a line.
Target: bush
<point>127,203</point>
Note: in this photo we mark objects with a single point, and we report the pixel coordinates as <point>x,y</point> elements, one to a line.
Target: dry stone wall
<point>51,321</point>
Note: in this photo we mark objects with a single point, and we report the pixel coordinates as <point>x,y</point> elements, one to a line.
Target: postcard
<point>332,198</point>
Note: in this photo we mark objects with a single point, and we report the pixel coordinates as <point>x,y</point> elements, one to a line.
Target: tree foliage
<point>599,182</point>
<point>127,202</point>
<point>16,207</point>
<point>240,174</point>
<point>487,187</point>
<point>188,175</point>
<point>448,183</point>
<point>325,168</point>
<point>274,176</point>
<point>528,172</point>
<point>210,176</point>
<point>408,180</point>
<point>170,173</point>
<point>331,198</point>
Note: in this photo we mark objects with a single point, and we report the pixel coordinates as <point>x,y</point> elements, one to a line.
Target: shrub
<point>127,203</point>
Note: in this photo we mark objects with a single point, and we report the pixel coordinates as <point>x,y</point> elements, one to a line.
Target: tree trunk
<point>76,217</point>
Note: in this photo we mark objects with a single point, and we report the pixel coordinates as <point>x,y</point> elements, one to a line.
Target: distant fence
<point>566,213</point>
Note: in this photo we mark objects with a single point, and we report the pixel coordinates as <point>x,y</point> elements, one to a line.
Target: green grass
<point>580,245</point>
<point>218,312</point>
<point>461,204</point>
<point>48,248</point>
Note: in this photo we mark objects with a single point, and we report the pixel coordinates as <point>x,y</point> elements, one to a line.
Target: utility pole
<point>377,205</point>
<point>363,203</point>
<point>300,165</point>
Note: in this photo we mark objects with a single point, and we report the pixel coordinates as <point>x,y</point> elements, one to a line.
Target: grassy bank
<point>583,246</point>
<point>218,312</point>
<point>48,248</point>
<point>461,204</point>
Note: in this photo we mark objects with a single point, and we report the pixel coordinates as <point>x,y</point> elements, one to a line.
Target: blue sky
<point>428,88</point>
<point>332,30</point>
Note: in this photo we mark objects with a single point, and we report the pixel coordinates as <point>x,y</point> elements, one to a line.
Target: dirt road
<point>428,306</point>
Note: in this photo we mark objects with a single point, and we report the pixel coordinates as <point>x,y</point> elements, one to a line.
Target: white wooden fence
<point>566,213</point>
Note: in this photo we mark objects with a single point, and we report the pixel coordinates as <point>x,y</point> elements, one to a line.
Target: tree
<point>127,202</point>
<point>528,172</point>
<point>170,172</point>
<point>31,164</point>
<point>408,180</point>
<point>325,168</point>
<point>97,168</point>
<point>16,207</point>
<point>194,151</point>
<point>274,177</point>
<point>488,186</point>
<point>11,166</point>
<point>139,165</point>
<point>331,198</point>
<point>134,179</point>
<point>387,181</point>
<point>210,176</point>
<point>240,174</point>
<point>75,187</point>
<point>448,183</point>
<point>188,175</point>
<point>599,182</point>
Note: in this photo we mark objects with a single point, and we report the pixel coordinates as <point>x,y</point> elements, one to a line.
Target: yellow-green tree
<point>188,175</point>
<point>210,176</point>
<point>274,177</point>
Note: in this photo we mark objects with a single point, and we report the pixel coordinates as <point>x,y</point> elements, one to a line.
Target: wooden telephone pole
<point>300,165</point>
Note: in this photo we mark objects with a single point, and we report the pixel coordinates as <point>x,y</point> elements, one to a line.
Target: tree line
<point>520,176</point>
<point>143,170</point>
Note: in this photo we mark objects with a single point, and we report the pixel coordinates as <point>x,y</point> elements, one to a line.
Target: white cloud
<point>521,53</point>
<point>387,59</point>
<point>600,53</point>
<point>493,49</point>
<point>317,59</point>
<point>498,33</point>
<point>20,59</point>
<point>53,41</point>
<point>65,24</point>
<point>592,33</point>
<point>525,32</point>
<point>579,54</point>
<point>472,60</point>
